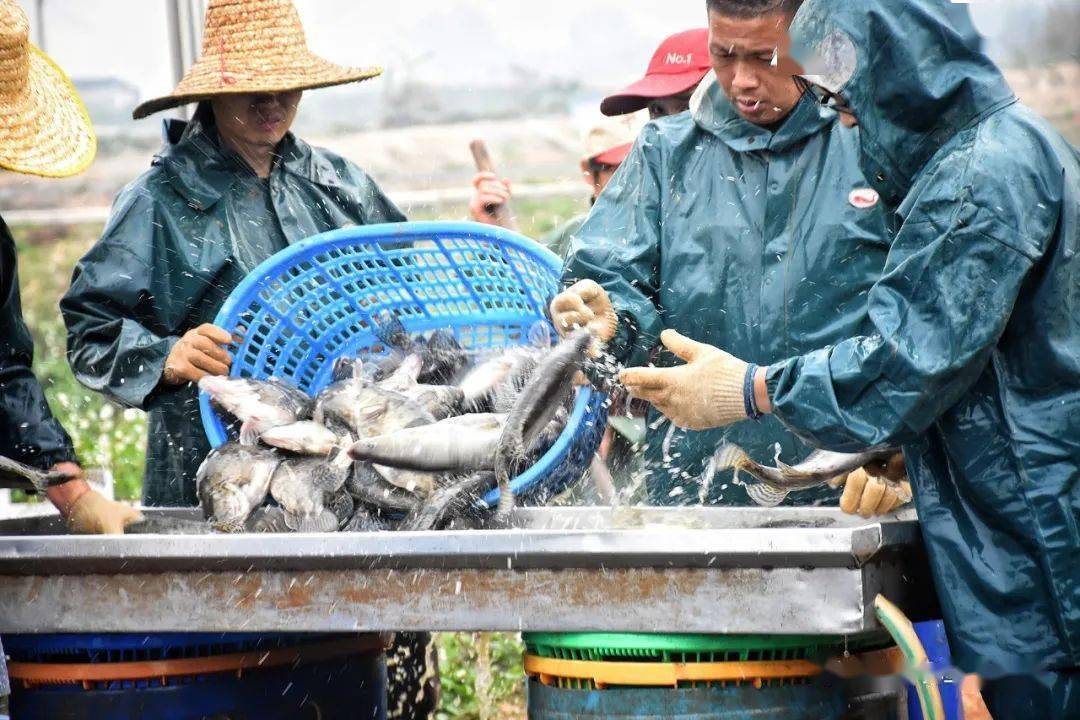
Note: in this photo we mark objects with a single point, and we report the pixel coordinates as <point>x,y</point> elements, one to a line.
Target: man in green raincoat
<point>745,221</point>
<point>972,358</point>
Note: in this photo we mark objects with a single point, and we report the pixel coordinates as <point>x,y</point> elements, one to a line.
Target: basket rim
<point>674,642</point>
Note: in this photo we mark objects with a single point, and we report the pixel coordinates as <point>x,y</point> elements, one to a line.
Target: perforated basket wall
<point>314,302</point>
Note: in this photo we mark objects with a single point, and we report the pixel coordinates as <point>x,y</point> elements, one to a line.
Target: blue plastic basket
<point>314,302</point>
<point>341,687</point>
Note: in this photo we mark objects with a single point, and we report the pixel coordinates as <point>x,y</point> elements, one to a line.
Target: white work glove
<point>584,304</point>
<point>706,392</point>
<point>875,489</point>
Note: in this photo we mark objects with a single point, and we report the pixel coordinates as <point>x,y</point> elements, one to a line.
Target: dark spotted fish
<point>818,468</point>
<point>16,476</point>
<point>368,487</point>
<point>455,499</point>
<point>259,405</point>
<point>232,481</point>
<point>549,388</point>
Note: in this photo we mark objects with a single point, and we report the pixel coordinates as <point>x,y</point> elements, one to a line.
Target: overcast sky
<point>470,42</point>
<point>460,41</point>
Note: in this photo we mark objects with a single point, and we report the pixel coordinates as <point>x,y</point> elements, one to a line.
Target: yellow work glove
<point>584,304</point>
<point>198,353</point>
<point>875,489</point>
<point>94,514</point>
<point>706,392</point>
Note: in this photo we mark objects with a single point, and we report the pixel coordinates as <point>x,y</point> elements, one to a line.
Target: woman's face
<point>255,120</point>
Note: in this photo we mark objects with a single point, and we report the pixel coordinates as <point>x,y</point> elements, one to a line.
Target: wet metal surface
<point>720,570</point>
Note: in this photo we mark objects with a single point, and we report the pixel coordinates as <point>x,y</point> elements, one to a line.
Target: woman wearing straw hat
<point>228,189</point>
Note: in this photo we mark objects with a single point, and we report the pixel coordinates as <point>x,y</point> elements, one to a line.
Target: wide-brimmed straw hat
<point>44,127</point>
<point>253,46</point>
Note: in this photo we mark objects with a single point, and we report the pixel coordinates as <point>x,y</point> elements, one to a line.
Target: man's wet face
<point>670,105</point>
<point>255,119</point>
<point>751,59</point>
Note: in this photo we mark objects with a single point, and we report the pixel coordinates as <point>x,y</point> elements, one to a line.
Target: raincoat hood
<point>714,113</point>
<point>201,171</point>
<point>912,72</point>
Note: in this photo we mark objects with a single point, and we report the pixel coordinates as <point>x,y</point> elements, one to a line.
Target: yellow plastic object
<point>918,664</point>
<point>645,674</point>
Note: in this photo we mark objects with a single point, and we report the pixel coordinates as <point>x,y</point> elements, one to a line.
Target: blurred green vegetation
<point>481,672</point>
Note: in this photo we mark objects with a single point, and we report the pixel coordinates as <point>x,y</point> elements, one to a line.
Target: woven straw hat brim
<point>45,130</point>
<point>205,81</point>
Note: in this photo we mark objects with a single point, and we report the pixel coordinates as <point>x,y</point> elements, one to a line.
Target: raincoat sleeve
<point>119,311</point>
<point>619,248</point>
<point>945,297</point>
<point>28,431</point>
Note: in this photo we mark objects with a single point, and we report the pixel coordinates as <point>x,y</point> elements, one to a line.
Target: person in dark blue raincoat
<point>972,362</point>
<point>45,131</point>
<point>744,222</point>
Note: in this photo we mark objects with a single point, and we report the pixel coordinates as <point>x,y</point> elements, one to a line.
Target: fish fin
<point>540,334</point>
<point>389,329</point>
<point>764,495</point>
<point>730,456</point>
<point>328,477</point>
<point>325,521</point>
<point>405,375</point>
<point>249,433</point>
<point>346,368</point>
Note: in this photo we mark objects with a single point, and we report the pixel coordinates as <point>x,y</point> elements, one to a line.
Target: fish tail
<point>764,495</point>
<point>326,521</point>
<point>730,456</point>
<point>506,503</point>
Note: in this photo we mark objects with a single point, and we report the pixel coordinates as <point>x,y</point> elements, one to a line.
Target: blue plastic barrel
<point>337,688</point>
<point>822,699</point>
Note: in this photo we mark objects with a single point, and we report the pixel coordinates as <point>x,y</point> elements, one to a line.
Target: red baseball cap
<point>678,65</point>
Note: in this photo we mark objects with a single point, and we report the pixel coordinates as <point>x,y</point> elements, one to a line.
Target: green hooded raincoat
<point>739,237</point>
<point>180,239</point>
<point>973,358</point>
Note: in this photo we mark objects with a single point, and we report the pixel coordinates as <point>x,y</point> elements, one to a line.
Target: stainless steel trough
<point>690,569</point>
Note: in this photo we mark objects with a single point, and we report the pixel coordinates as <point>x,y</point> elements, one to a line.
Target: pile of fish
<point>408,441</point>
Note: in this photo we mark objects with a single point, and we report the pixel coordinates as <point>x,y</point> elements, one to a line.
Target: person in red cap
<point>674,72</point>
<point>676,69</point>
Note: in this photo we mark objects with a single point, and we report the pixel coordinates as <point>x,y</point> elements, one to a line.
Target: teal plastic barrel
<point>822,699</point>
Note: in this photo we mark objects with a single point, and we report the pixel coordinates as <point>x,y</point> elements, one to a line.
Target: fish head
<point>229,505</point>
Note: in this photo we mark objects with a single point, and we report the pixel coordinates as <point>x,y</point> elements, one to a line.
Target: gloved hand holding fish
<point>864,493</point>
<point>409,440</point>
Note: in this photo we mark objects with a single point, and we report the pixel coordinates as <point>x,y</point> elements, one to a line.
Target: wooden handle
<point>482,158</point>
